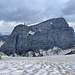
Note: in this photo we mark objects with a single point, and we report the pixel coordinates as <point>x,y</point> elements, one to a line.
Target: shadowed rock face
<point>3,37</point>
<point>45,35</point>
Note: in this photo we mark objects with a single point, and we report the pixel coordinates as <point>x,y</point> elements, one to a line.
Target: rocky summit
<point>45,35</point>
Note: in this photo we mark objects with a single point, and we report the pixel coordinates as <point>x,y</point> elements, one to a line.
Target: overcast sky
<point>13,12</point>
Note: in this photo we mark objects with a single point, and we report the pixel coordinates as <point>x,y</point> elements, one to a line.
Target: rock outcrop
<point>45,35</point>
<point>3,39</point>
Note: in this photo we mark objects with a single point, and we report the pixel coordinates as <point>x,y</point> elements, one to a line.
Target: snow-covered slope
<point>52,65</point>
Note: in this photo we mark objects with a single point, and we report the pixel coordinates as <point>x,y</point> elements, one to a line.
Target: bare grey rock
<point>45,35</point>
<point>3,37</point>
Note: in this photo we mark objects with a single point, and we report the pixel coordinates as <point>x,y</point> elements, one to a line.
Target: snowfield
<point>50,65</point>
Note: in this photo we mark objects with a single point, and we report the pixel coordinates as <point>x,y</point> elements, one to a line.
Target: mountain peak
<point>45,35</point>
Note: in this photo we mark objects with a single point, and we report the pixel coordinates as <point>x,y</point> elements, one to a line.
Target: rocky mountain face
<point>0,34</point>
<point>3,39</point>
<point>45,35</point>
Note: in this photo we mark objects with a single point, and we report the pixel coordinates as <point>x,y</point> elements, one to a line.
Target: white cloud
<point>13,23</point>
<point>1,23</point>
<point>72,24</point>
<point>8,26</point>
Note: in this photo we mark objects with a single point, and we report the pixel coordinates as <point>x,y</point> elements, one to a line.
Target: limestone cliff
<point>45,35</point>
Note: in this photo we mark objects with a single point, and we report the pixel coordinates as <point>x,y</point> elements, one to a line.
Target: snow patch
<point>39,29</point>
<point>14,55</point>
<point>1,43</point>
<point>51,23</point>
<point>50,52</point>
<point>32,24</point>
<point>36,54</point>
<point>31,32</point>
<point>29,54</point>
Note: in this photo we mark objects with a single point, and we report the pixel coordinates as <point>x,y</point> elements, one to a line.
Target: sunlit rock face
<point>45,35</point>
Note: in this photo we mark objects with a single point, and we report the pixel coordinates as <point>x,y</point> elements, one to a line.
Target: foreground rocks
<point>45,35</point>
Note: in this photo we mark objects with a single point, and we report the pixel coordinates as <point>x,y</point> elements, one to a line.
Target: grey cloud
<point>68,11</point>
<point>69,8</point>
<point>23,10</point>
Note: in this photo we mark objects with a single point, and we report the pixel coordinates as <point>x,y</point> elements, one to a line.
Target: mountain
<point>45,35</point>
<point>0,34</point>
